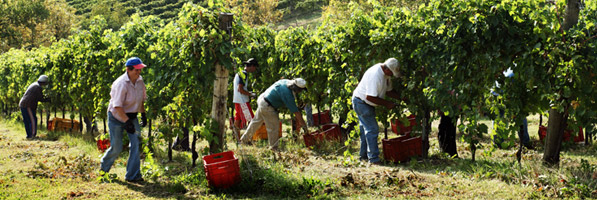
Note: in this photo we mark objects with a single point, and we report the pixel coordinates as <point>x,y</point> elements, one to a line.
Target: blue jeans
<point>309,113</point>
<point>369,130</point>
<point>30,121</point>
<point>524,133</point>
<point>133,166</point>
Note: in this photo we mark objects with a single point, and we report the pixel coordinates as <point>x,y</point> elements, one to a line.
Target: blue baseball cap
<point>135,62</point>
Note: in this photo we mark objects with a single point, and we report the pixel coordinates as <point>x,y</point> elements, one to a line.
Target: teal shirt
<point>280,95</point>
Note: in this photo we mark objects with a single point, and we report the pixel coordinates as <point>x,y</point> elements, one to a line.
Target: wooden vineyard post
<point>218,108</point>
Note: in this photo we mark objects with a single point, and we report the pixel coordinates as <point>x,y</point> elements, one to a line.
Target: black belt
<point>131,115</point>
<point>270,104</point>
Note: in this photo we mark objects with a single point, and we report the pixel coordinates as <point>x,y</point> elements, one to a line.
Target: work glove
<point>129,127</point>
<point>143,120</point>
<point>391,106</point>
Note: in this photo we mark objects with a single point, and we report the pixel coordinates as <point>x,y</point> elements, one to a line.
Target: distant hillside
<point>116,12</point>
<point>164,9</point>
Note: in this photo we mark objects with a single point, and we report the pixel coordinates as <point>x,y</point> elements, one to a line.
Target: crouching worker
<point>127,96</point>
<point>281,93</point>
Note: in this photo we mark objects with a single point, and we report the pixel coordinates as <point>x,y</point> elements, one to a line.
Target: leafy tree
<point>33,23</point>
<point>112,11</point>
<point>19,20</point>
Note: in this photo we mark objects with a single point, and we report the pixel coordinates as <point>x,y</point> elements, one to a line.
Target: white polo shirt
<point>126,95</point>
<point>374,83</point>
<point>237,97</point>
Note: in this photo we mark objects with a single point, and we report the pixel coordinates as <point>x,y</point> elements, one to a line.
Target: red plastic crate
<point>567,134</point>
<point>222,169</point>
<point>400,149</point>
<point>330,132</point>
<point>325,118</point>
<point>312,138</point>
<point>393,149</point>
<point>396,123</point>
<point>413,146</point>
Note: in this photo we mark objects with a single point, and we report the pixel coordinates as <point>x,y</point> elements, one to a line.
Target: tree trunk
<point>426,130</point>
<point>218,108</point>
<point>41,118</point>
<point>553,140</point>
<point>571,14</point>
<point>148,134</point>
<point>89,125</point>
<point>589,130</point>
<point>48,117</point>
<point>170,149</point>
<point>556,124</point>
<point>194,153</point>
<point>80,122</point>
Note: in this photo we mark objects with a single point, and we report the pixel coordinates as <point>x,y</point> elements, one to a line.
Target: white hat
<point>392,64</point>
<point>42,79</point>
<point>508,73</point>
<point>301,83</point>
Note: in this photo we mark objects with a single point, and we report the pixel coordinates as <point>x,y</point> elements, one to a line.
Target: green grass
<point>65,165</point>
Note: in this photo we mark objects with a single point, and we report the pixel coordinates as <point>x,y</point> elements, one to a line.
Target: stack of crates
<point>402,148</point>
<point>60,124</point>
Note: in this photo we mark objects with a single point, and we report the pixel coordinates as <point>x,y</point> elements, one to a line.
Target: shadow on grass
<point>157,190</point>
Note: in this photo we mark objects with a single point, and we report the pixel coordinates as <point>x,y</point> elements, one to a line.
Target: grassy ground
<point>65,166</point>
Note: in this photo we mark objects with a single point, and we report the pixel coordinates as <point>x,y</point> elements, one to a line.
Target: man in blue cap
<point>127,96</point>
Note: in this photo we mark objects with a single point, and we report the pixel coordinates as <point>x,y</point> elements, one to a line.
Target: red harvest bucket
<point>221,169</point>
